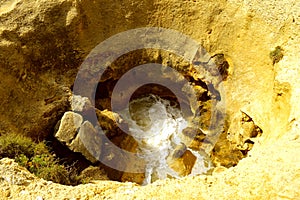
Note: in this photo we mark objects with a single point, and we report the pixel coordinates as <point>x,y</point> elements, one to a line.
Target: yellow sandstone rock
<point>43,43</point>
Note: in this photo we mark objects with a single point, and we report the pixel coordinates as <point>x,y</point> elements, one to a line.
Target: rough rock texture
<point>68,127</point>
<point>76,135</point>
<point>93,173</point>
<point>236,142</point>
<point>87,135</point>
<point>42,44</point>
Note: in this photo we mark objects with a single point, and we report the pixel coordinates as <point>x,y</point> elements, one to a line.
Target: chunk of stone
<point>236,142</point>
<point>184,164</point>
<point>88,142</point>
<point>80,104</point>
<point>68,128</point>
<point>242,131</point>
<point>93,173</point>
<point>113,151</point>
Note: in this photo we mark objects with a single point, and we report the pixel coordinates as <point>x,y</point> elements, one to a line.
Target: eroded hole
<point>172,143</point>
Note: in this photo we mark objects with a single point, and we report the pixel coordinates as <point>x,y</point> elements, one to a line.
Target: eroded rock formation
<point>43,43</point>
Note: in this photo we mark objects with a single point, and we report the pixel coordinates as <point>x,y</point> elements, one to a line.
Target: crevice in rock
<point>67,156</point>
<point>204,137</point>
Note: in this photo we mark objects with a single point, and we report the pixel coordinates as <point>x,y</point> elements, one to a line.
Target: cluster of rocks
<point>80,135</point>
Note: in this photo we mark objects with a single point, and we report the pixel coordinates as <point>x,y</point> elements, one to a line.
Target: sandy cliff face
<point>43,43</point>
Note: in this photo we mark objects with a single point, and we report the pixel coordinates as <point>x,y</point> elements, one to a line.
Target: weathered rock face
<point>43,43</point>
<point>42,46</point>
